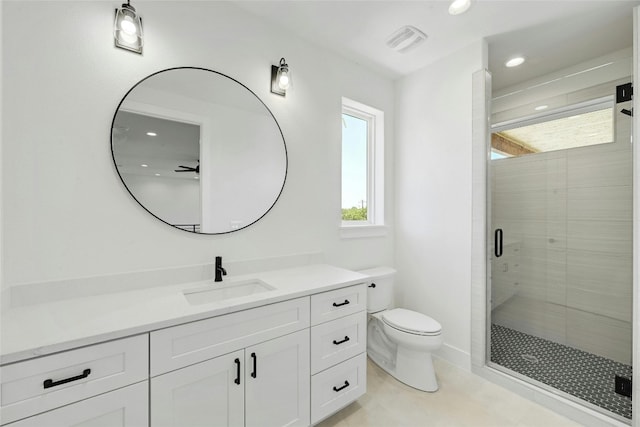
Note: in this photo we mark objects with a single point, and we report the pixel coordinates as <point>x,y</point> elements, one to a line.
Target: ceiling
<point>174,144</point>
<point>550,34</point>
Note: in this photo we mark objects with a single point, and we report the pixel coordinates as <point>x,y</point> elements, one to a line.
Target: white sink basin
<point>226,290</point>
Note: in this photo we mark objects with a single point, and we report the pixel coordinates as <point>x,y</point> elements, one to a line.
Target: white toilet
<point>400,341</point>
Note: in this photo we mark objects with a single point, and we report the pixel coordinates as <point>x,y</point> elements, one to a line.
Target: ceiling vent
<point>406,39</point>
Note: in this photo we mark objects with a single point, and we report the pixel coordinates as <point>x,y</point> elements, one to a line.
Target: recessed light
<point>144,166</point>
<point>157,174</point>
<point>152,134</point>
<point>514,62</point>
<point>459,6</point>
<point>541,107</point>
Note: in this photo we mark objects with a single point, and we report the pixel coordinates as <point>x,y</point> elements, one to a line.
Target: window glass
<point>591,128</point>
<point>354,168</point>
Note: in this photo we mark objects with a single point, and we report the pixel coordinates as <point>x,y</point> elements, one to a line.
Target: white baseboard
<point>455,356</point>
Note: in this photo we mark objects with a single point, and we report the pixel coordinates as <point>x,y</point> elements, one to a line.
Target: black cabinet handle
<point>255,365</point>
<point>237,362</point>
<point>346,338</point>
<point>373,285</point>
<point>335,304</point>
<point>346,384</point>
<point>497,242</point>
<point>51,383</point>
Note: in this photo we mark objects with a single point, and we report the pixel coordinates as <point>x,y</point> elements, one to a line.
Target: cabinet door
<point>126,407</point>
<point>277,390</point>
<point>210,393</point>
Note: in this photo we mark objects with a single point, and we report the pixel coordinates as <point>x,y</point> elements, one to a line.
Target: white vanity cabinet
<point>264,381</point>
<point>43,384</point>
<point>263,385</point>
<point>207,393</point>
<point>278,381</point>
<point>288,363</point>
<point>125,407</point>
<point>338,349</point>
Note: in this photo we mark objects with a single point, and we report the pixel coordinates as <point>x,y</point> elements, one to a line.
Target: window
<point>574,126</point>
<point>362,170</point>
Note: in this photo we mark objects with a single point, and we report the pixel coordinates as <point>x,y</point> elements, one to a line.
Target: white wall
<point>66,212</point>
<point>174,200</point>
<point>433,194</point>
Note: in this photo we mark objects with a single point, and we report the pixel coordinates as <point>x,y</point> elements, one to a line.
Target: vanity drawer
<point>187,344</point>
<point>338,303</point>
<point>338,340</point>
<point>38,385</point>
<point>125,407</point>
<point>336,387</point>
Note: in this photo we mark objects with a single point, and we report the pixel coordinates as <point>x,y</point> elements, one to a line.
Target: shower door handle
<point>497,243</point>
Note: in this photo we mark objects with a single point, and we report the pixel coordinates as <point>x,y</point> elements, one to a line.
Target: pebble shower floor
<point>581,374</point>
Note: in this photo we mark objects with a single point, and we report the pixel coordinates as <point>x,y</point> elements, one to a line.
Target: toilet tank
<point>379,288</point>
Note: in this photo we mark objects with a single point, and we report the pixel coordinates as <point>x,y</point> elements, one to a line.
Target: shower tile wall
<point>566,270</point>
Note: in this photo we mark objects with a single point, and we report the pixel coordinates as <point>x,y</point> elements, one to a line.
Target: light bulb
<point>128,26</point>
<point>284,80</point>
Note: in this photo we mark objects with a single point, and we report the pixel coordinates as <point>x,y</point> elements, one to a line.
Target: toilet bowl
<point>400,341</point>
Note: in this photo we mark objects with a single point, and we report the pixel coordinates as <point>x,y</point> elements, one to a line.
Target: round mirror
<point>198,150</point>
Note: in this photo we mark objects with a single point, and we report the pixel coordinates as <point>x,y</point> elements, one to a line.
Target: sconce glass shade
<point>280,78</point>
<point>127,29</point>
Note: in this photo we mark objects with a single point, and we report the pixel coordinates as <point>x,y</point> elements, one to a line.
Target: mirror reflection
<point>199,151</point>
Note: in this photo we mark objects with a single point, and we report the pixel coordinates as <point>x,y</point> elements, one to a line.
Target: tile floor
<point>464,399</point>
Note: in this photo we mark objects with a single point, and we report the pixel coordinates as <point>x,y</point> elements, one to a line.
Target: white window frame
<point>374,226</point>
<point>559,113</point>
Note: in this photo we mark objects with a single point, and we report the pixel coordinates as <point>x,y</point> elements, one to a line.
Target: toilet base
<point>415,369</point>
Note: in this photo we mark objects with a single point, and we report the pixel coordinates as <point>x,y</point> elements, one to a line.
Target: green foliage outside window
<point>354,214</point>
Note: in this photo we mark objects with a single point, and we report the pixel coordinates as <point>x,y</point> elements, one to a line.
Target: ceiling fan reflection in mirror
<point>188,168</point>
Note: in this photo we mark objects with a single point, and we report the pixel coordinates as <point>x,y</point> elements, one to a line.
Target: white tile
<point>603,303</point>
<point>599,167</point>
<point>599,203</point>
<point>604,336</point>
<point>611,237</point>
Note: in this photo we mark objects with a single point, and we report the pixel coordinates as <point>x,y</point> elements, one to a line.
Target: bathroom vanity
<point>289,350</point>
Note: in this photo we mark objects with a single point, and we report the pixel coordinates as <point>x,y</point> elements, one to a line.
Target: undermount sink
<point>225,290</point>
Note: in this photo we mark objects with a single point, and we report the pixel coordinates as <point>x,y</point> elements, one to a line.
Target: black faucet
<point>220,271</point>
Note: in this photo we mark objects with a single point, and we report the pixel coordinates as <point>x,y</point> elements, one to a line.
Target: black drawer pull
<point>346,338</point>
<point>237,362</point>
<point>335,304</point>
<point>255,365</point>
<point>373,285</point>
<point>51,383</point>
<point>346,384</point>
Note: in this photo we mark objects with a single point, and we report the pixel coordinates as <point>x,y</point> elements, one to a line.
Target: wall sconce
<point>280,78</point>
<point>127,29</point>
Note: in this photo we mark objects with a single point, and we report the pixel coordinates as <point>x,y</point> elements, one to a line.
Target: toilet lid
<point>411,322</point>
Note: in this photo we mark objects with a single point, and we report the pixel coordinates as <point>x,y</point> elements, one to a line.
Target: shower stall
<point>559,189</point>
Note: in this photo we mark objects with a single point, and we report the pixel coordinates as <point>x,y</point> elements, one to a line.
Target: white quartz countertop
<point>36,330</point>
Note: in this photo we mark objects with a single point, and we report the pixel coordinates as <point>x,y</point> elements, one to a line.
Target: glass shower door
<point>561,263</point>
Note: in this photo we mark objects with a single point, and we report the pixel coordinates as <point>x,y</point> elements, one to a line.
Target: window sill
<point>363,231</point>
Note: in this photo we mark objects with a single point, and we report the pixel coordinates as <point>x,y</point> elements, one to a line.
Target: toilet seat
<point>411,322</point>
